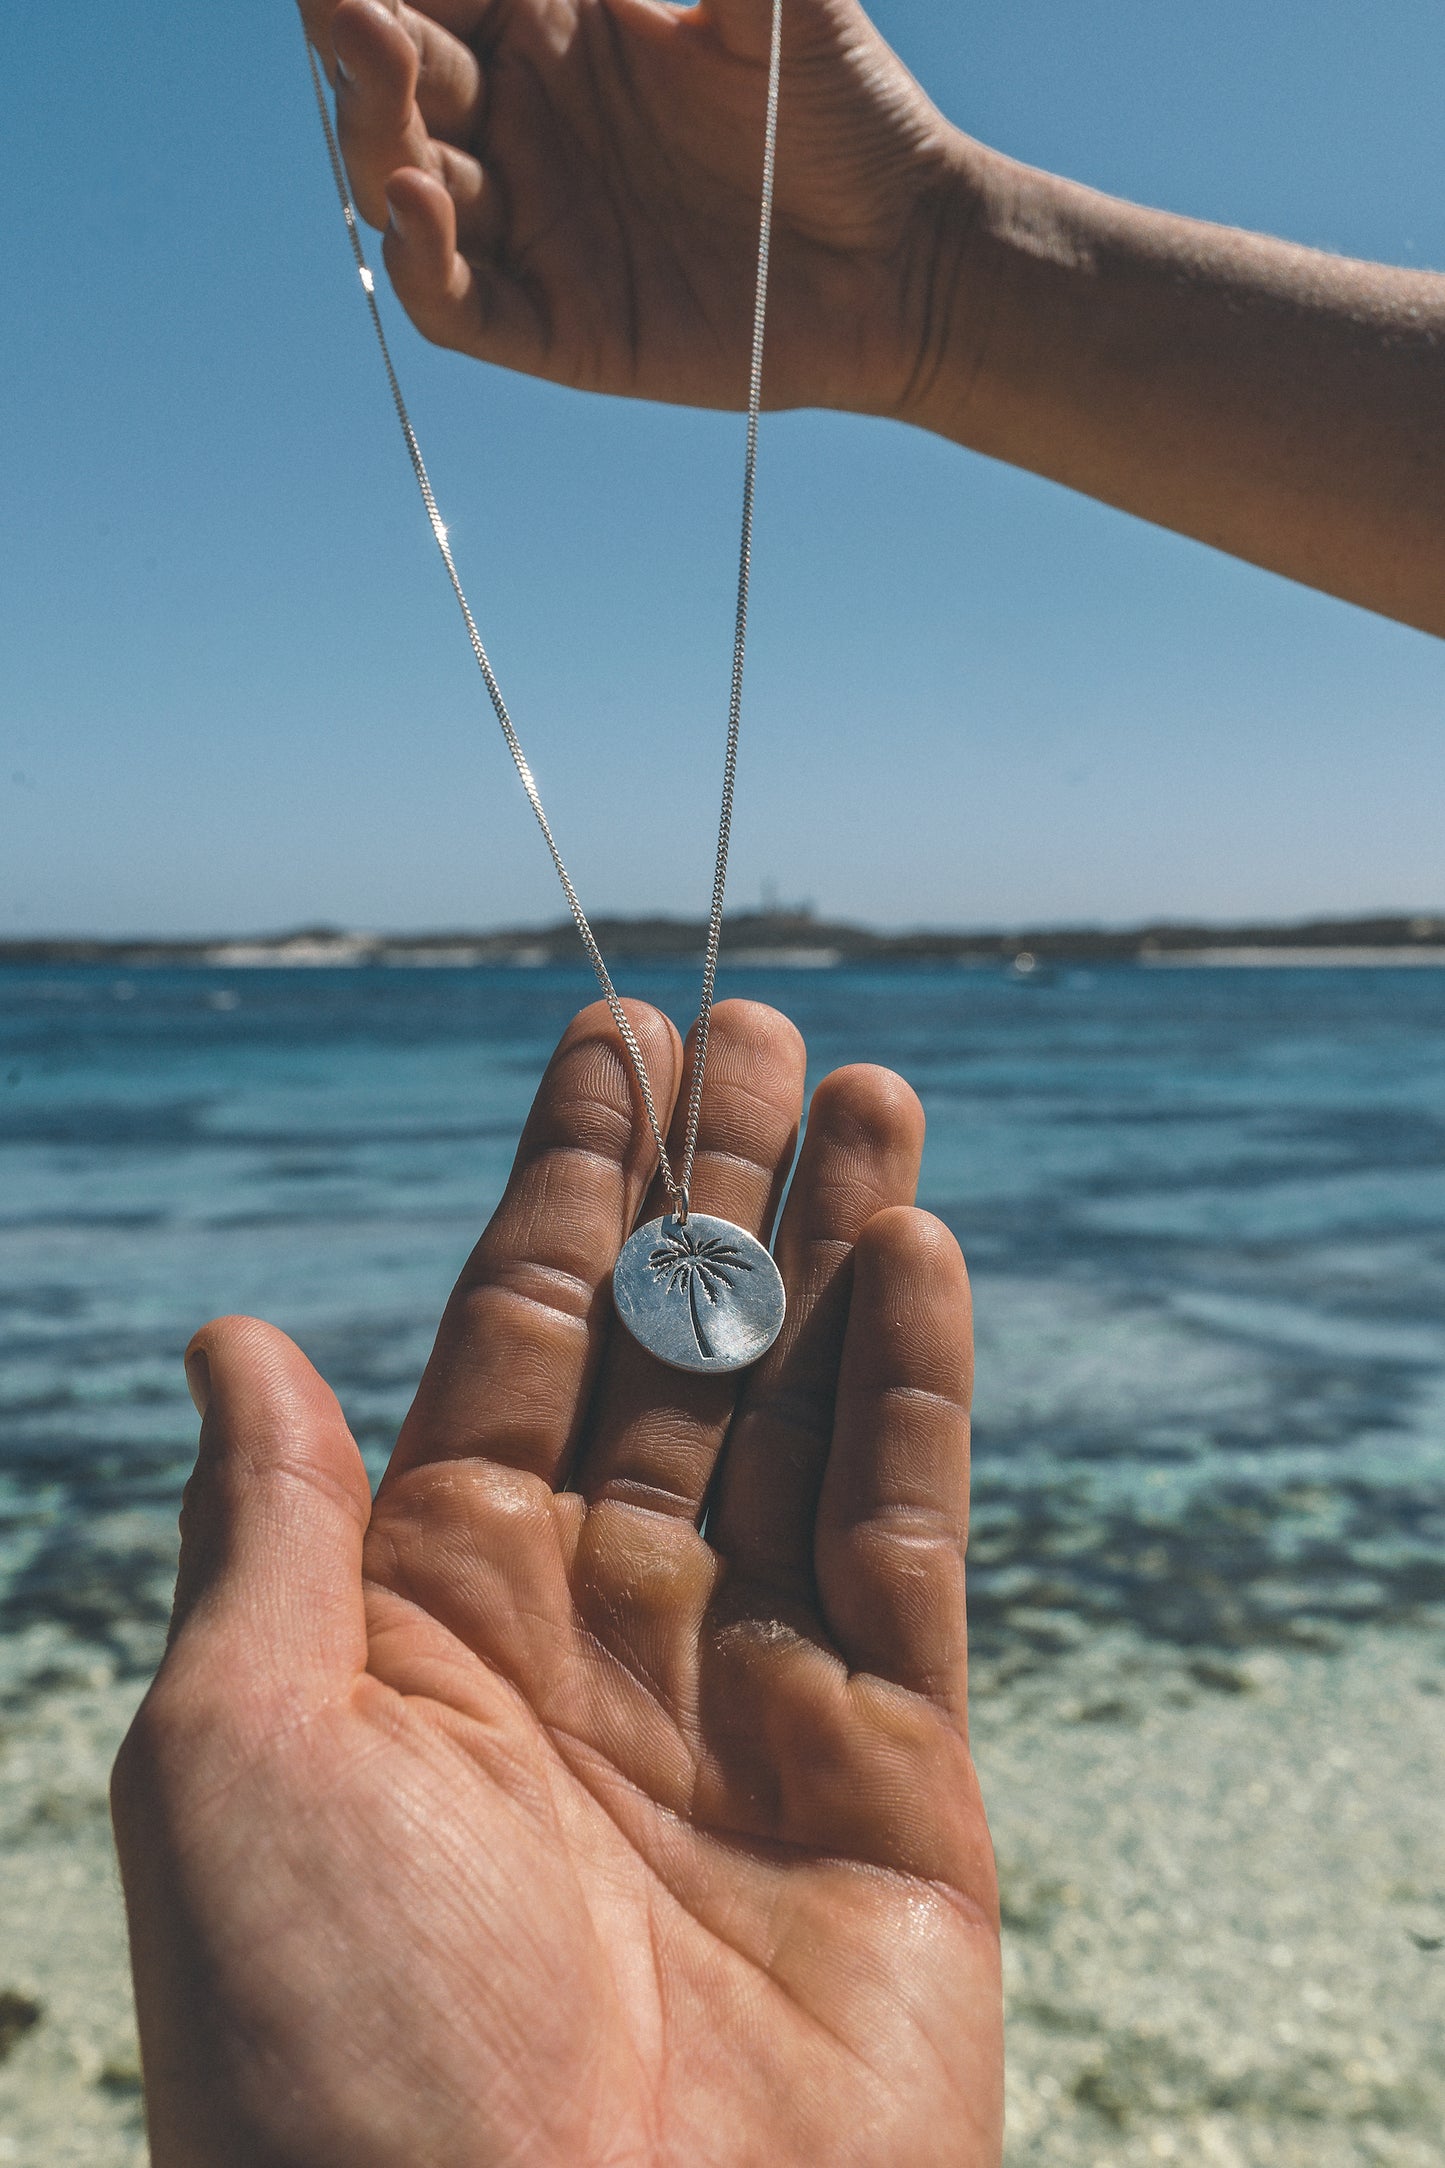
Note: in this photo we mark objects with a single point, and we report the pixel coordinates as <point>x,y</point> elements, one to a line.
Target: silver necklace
<point>696,1291</point>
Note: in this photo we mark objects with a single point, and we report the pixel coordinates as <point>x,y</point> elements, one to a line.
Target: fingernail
<point>198,1378</point>
<point>398,220</point>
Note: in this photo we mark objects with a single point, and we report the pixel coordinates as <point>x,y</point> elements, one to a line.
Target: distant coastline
<point>781,939</point>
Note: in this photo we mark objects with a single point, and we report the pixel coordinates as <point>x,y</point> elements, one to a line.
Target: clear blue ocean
<point>1205,1212</point>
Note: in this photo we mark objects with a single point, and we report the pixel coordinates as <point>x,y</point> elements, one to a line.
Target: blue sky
<point>233,693</point>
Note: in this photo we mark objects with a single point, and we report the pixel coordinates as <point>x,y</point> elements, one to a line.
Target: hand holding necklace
<point>517,1815</point>
<point>571,190</point>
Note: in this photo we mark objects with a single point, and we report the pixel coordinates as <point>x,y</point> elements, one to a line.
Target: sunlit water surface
<point>1205,1213</point>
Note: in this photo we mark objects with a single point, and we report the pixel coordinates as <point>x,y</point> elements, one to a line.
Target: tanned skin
<point>600,1797</point>
<point>570,187</point>
<point>515,1818</point>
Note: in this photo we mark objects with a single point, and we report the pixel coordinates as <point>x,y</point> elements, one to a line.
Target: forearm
<point>1278,403</point>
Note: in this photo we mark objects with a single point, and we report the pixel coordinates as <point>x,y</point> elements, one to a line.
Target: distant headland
<point>789,939</point>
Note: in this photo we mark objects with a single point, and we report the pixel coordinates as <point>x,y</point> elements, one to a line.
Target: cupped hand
<point>571,188</point>
<point>601,1794</point>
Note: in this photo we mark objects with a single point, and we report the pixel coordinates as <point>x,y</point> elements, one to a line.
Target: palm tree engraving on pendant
<point>699,1293</point>
<point>688,1263</point>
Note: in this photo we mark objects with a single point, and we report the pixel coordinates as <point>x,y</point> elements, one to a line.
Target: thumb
<point>275,1510</point>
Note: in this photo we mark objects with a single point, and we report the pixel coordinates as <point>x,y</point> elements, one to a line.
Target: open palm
<point>518,1817</point>
<point>573,190</point>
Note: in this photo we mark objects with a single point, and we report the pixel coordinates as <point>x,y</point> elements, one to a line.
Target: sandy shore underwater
<point>1223,1886</point>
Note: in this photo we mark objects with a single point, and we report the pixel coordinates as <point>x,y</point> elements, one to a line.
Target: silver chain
<point>678,1185</point>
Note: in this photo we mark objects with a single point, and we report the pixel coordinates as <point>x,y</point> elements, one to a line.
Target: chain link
<point>678,1185</point>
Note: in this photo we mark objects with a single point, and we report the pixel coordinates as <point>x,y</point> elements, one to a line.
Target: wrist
<point>1003,249</point>
<point>947,278</point>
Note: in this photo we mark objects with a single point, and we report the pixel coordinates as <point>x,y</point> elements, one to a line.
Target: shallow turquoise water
<point>1205,1213</point>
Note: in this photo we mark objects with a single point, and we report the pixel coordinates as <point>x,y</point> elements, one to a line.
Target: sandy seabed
<point>1223,1887</point>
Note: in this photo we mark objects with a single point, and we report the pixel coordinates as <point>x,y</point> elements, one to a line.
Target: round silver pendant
<point>705,1296</point>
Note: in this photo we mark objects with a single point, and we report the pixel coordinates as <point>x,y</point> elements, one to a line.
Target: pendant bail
<point>681,1206</point>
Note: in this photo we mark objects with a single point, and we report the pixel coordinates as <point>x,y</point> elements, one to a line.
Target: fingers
<point>275,1512</point>
<point>406,90</point>
<point>657,1432</point>
<point>421,243</point>
<point>316,22</point>
<point>430,215</point>
<point>449,85</point>
<point>409,100</point>
<point>512,1367</point>
<point>893,1514</point>
<point>377,118</point>
<point>862,1153</point>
